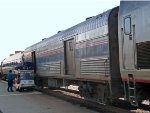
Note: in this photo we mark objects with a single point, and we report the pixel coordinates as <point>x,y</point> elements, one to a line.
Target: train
<point>107,56</point>
<point>15,63</point>
<point>11,62</point>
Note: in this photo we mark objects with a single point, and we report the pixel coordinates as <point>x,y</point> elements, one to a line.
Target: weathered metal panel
<point>138,40</point>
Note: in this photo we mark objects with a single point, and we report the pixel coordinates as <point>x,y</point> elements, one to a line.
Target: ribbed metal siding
<point>55,67</point>
<point>143,55</point>
<point>95,67</point>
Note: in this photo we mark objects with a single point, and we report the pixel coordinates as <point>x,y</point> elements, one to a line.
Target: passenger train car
<point>11,63</point>
<point>86,55</point>
<point>15,63</point>
<point>134,49</point>
<point>107,55</point>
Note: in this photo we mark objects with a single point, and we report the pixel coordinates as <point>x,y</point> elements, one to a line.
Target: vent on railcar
<point>143,55</point>
<point>95,67</point>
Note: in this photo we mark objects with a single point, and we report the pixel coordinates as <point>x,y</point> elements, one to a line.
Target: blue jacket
<point>10,76</point>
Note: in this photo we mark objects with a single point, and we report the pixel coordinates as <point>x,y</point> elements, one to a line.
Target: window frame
<point>127,28</point>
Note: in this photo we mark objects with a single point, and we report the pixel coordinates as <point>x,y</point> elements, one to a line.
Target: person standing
<point>10,78</point>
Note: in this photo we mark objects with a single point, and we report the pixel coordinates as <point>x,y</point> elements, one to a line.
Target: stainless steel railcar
<point>11,62</point>
<point>107,55</point>
<point>86,54</point>
<point>134,49</point>
<point>15,63</point>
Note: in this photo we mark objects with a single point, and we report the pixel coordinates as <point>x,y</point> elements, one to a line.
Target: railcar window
<point>71,46</point>
<point>127,25</point>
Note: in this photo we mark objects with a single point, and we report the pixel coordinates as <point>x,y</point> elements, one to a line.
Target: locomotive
<point>107,56</point>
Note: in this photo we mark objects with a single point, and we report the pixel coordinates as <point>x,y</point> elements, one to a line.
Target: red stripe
<point>138,80</point>
<point>45,53</point>
<point>96,43</point>
<point>92,43</point>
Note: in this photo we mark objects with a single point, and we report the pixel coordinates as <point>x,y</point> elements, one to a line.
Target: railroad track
<point>73,97</point>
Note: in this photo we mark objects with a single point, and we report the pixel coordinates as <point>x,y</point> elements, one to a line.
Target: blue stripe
<point>92,51</point>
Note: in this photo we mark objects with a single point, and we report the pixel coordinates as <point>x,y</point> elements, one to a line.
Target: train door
<point>128,43</point>
<point>69,57</point>
<point>34,60</point>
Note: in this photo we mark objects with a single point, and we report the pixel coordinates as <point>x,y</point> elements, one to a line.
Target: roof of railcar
<point>13,58</point>
<point>89,24</point>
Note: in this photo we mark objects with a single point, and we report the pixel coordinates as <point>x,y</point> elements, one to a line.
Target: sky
<point>26,22</point>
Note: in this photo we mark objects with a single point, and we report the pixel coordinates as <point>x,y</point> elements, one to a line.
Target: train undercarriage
<point>94,91</point>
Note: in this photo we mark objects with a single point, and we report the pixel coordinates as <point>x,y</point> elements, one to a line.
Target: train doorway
<point>128,43</point>
<point>69,57</point>
<point>34,60</point>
